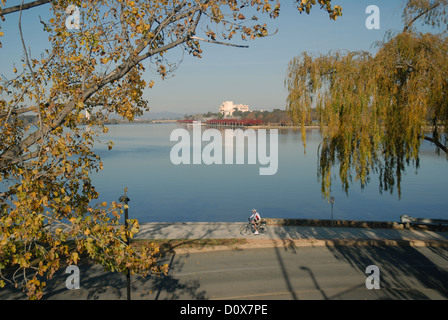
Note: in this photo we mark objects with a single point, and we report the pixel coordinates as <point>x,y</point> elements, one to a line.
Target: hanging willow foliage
<point>374,110</point>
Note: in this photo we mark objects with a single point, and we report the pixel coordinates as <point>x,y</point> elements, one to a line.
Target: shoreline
<point>325,223</point>
<point>188,237</point>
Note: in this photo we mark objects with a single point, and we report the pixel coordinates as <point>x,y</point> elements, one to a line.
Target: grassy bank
<point>170,245</point>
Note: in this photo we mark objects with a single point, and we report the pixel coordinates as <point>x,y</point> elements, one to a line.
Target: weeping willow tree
<point>375,110</point>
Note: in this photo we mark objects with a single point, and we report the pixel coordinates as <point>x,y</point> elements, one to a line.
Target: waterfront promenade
<point>301,235</point>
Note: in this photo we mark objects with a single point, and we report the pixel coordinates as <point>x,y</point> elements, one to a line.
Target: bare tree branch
<point>222,43</point>
<point>17,111</point>
<point>24,7</point>
<point>27,59</point>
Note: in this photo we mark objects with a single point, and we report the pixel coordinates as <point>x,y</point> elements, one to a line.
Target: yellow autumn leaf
<point>75,257</point>
<point>135,228</point>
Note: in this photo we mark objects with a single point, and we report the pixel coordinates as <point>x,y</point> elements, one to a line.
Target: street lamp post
<point>125,200</point>
<point>332,202</point>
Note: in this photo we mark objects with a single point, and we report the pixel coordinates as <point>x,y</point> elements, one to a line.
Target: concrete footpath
<point>299,235</point>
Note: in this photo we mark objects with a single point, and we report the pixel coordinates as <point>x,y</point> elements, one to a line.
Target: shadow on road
<point>99,284</point>
<point>170,288</point>
<point>421,273</point>
<point>285,273</point>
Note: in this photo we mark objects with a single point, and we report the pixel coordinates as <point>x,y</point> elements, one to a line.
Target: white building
<point>227,108</point>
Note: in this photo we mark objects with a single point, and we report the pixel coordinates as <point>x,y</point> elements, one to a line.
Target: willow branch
<point>437,143</point>
<point>419,16</point>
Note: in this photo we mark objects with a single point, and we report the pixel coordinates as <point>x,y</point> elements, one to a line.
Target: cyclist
<point>255,218</point>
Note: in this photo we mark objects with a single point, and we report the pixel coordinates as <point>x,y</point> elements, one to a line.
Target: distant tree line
<point>274,116</point>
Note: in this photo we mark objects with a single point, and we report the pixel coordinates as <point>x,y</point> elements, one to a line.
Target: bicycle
<point>248,228</point>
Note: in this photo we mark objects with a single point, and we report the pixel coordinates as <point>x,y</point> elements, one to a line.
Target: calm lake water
<point>163,192</point>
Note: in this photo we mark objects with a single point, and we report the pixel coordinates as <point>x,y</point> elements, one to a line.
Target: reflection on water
<point>160,191</point>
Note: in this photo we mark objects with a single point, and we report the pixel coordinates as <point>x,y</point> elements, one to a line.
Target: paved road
<point>295,268</point>
<point>284,273</point>
<point>308,273</point>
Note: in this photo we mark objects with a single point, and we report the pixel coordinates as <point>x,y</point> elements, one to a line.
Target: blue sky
<point>253,76</point>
